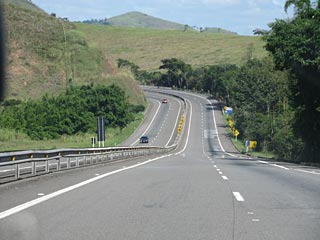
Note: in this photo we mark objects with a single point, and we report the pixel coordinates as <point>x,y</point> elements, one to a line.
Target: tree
<point>301,6</point>
<point>295,45</point>
<point>177,72</point>
<point>126,63</point>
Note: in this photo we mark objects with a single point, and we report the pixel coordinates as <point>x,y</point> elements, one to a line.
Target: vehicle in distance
<point>164,100</point>
<point>144,139</point>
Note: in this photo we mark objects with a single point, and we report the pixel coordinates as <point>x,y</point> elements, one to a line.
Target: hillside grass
<point>24,4</point>
<point>46,54</point>
<point>147,47</point>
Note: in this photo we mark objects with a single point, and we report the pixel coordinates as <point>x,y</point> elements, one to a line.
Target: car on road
<point>164,100</point>
<point>144,139</point>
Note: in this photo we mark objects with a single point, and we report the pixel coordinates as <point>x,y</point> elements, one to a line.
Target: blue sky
<point>241,16</point>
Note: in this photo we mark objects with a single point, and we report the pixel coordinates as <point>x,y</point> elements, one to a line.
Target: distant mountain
<point>27,4</point>
<point>141,20</point>
<point>218,30</point>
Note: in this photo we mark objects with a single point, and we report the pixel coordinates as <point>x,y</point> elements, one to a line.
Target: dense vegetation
<point>295,46</point>
<point>69,113</point>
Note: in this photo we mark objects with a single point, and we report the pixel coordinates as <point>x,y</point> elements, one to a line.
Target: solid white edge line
<point>174,128</point>
<point>187,141</point>
<point>306,171</point>
<point>39,200</point>
<point>216,127</point>
<point>149,124</point>
<point>238,196</point>
<point>279,166</point>
<point>263,162</point>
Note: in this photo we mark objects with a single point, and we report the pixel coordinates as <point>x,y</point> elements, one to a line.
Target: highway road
<point>161,121</point>
<point>203,190</point>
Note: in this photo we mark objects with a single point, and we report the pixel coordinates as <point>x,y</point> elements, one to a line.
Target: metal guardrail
<point>30,163</point>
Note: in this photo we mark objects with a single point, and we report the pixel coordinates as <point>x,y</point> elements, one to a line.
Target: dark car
<point>144,139</point>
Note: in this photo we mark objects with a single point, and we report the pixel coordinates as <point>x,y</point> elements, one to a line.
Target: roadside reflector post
<point>17,175</point>
<point>101,131</point>
<point>33,164</point>
<point>93,141</point>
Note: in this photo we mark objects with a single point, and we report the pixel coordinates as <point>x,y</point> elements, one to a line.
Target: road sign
<point>229,110</point>
<point>236,133</point>
<point>253,144</point>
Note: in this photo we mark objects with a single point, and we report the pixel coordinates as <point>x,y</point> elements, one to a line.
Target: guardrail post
<point>17,174</point>
<point>59,164</point>
<point>33,166</point>
<point>68,162</point>
<point>47,166</point>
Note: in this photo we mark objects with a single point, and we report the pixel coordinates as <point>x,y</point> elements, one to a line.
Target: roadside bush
<point>70,113</point>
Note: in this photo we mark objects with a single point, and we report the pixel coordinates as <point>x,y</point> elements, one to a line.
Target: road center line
<point>238,196</point>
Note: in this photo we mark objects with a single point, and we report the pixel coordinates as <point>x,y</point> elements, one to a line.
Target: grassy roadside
<point>240,145</point>
<point>11,140</point>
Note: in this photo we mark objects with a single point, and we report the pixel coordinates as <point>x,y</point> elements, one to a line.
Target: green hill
<point>46,54</point>
<point>141,20</point>
<point>26,4</point>
<point>218,30</point>
<point>147,47</point>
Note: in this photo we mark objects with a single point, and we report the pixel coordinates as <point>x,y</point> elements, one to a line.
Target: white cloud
<point>221,2</point>
<point>278,3</point>
<point>200,2</point>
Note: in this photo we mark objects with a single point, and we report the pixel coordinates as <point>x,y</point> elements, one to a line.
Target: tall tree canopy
<point>177,71</point>
<point>295,45</point>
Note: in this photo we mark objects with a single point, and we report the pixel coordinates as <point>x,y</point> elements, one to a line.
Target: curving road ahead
<point>161,121</point>
<point>203,190</point>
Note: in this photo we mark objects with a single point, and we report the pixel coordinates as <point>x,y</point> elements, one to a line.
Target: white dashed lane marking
<point>238,196</point>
